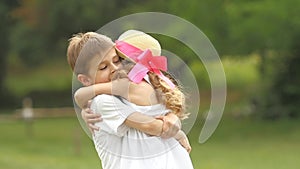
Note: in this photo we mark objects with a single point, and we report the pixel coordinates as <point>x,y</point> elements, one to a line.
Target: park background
<point>258,42</point>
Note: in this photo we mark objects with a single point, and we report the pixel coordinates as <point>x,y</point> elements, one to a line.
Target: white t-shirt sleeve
<point>113,112</point>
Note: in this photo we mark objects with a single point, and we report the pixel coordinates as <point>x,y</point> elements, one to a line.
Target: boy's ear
<point>85,80</point>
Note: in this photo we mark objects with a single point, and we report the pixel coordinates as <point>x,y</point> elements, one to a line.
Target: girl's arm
<point>117,87</point>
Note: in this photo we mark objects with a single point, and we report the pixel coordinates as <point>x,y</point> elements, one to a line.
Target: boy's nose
<point>114,68</point>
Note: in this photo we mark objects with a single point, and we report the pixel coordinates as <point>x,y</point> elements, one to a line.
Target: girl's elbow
<point>77,99</point>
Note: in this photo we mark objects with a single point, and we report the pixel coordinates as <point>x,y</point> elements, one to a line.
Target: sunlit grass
<point>55,143</point>
<point>237,144</point>
<point>248,144</point>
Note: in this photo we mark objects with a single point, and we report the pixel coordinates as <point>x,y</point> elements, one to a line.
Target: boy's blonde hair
<point>84,47</point>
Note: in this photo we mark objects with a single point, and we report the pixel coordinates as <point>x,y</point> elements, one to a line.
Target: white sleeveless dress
<point>122,147</point>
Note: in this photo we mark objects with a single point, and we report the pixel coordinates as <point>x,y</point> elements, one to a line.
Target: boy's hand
<point>90,118</point>
<point>171,125</point>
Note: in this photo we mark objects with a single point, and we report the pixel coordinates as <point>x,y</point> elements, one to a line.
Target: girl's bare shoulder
<point>142,94</point>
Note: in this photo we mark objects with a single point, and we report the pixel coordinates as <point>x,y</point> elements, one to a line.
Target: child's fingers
<point>93,128</point>
<point>89,103</point>
<point>92,115</point>
<point>189,150</point>
<point>89,117</point>
<point>159,117</point>
<point>85,113</point>
<point>170,127</point>
<point>185,144</point>
<point>165,128</point>
<point>89,110</point>
<point>94,120</point>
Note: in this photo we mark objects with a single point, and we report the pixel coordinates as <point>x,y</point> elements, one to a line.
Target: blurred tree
<point>6,99</point>
<point>41,28</point>
<point>209,16</point>
<point>243,27</point>
<point>282,97</point>
<point>258,26</point>
<point>236,27</point>
<point>48,24</point>
<point>269,28</point>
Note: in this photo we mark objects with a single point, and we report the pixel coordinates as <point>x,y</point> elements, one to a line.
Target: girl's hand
<point>90,118</point>
<point>171,125</point>
<point>184,141</point>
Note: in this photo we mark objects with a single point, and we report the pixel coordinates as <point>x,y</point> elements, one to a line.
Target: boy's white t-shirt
<point>122,147</point>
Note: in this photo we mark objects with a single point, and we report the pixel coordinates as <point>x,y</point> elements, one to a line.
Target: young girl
<point>136,149</point>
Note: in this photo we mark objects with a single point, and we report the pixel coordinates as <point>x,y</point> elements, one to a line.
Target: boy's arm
<point>154,127</point>
<point>144,123</point>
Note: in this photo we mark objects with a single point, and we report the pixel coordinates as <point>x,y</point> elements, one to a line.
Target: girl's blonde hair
<point>172,98</point>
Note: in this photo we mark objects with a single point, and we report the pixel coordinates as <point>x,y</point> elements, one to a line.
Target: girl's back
<point>142,94</point>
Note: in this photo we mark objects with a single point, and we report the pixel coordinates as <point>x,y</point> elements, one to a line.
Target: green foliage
<point>282,95</point>
<point>48,85</point>
<point>241,73</point>
<point>21,81</point>
<point>49,24</point>
<point>262,25</point>
<point>36,32</point>
<point>209,16</point>
<point>6,98</point>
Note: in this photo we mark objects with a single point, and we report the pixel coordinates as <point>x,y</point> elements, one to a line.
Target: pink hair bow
<point>145,62</point>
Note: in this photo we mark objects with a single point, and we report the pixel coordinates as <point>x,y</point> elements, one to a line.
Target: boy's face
<point>103,72</point>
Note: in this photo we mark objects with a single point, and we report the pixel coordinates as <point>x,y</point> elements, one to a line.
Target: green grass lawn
<point>249,144</point>
<point>60,143</point>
